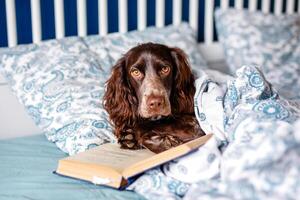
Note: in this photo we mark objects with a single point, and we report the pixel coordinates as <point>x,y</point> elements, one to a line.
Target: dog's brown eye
<point>165,70</point>
<point>136,73</point>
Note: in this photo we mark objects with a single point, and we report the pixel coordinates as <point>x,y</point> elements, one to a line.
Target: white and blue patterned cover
<point>255,151</point>
<point>182,36</point>
<point>265,40</point>
<point>61,83</point>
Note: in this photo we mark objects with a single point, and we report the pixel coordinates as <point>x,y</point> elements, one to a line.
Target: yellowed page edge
<point>90,172</point>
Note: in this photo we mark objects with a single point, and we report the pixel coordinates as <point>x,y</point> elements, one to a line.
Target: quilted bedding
<point>254,154</point>
<point>255,151</point>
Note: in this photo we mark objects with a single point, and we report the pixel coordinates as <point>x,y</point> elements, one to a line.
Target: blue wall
<point>47,10</point>
<point>48,27</point>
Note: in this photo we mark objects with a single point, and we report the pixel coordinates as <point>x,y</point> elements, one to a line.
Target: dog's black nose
<point>155,102</point>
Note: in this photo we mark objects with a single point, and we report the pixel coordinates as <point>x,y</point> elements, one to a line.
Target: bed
<point>26,166</point>
<point>28,158</point>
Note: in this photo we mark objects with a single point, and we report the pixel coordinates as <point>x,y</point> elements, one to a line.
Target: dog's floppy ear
<point>119,100</point>
<point>183,88</point>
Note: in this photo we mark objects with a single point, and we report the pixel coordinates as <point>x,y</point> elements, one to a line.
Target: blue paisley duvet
<point>255,151</point>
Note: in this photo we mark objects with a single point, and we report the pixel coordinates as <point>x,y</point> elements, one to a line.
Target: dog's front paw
<point>128,141</point>
<point>160,142</point>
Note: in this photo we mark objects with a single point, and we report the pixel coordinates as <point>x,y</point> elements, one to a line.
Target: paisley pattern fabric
<point>254,153</point>
<point>264,40</point>
<point>61,83</point>
<point>182,36</point>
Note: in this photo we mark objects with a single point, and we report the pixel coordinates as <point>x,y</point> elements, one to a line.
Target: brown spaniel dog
<point>149,98</point>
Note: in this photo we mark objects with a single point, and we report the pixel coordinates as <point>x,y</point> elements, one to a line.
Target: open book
<point>109,165</point>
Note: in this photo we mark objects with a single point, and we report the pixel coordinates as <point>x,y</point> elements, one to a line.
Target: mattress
<point>26,166</point>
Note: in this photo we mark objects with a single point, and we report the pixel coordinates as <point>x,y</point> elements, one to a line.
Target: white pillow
<point>182,36</point>
<point>266,40</point>
<point>61,84</point>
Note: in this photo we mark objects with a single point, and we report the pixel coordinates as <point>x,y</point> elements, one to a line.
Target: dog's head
<point>150,81</point>
<point>150,69</point>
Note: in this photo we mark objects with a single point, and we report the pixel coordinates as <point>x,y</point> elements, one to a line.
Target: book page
<point>111,155</point>
<point>165,156</point>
